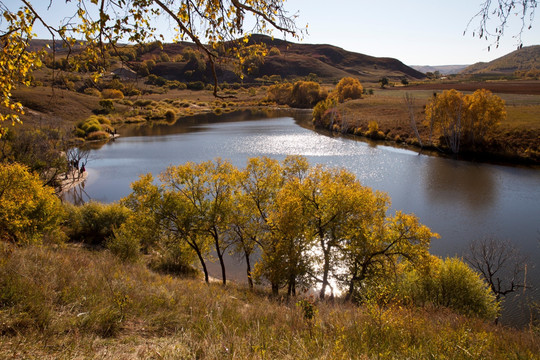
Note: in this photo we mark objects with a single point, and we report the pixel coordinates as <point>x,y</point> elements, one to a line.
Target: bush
<point>305,94</point>
<point>124,246</point>
<point>112,94</point>
<point>195,85</point>
<point>170,115</point>
<point>28,210</point>
<point>93,223</point>
<point>107,105</point>
<point>92,91</point>
<point>453,284</point>
<point>274,51</point>
<point>348,88</point>
<point>280,93</point>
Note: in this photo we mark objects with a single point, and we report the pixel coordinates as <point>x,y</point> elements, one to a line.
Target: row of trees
<point>306,224</point>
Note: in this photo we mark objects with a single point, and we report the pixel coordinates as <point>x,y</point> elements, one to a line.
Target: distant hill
<point>524,59</point>
<point>443,69</point>
<point>329,62</point>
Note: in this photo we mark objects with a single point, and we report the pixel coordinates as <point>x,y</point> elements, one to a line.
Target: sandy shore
<point>74,178</point>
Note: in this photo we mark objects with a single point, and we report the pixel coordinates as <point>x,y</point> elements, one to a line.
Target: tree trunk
<point>203,264</point>
<point>275,289</point>
<point>221,261</point>
<point>326,269</point>
<point>248,266</point>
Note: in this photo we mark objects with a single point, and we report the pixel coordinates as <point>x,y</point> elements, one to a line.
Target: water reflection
<point>468,184</point>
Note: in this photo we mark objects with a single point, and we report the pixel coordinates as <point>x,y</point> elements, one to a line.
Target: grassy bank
<point>64,303</point>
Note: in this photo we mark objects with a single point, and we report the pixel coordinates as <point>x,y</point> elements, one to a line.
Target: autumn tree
<point>464,119</point>
<point>205,191</point>
<point>348,88</point>
<point>28,209</point>
<point>101,24</point>
<point>485,111</point>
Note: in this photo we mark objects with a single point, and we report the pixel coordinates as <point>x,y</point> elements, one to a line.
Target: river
<point>459,200</point>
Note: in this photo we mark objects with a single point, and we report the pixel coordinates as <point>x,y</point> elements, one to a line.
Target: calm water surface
<point>459,200</point>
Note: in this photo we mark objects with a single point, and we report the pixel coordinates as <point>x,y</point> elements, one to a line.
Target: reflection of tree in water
<point>461,182</point>
<point>77,195</point>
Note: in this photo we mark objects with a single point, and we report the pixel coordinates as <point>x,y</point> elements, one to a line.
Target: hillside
<point>71,303</point>
<point>524,59</point>
<point>295,60</point>
<point>329,62</point>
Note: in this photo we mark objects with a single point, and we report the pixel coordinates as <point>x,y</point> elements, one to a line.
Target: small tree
<point>348,88</point>
<point>384,82</point>
<point>500,264</point>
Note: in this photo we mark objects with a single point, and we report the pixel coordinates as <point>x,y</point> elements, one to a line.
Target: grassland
<point>68,302</point>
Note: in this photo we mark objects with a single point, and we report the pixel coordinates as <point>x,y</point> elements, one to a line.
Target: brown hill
<point>523,59</point>
<point>329,62</point>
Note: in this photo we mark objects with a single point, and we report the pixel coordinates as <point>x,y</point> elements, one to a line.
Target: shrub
<point>92,91</point>
<point>93,223</point>
<point>306,94</point>
<point>124,246</point>
<point>348,88</point>
<point>28,209</point>
<point>97,135</point>
<point>195,85</point>
<point>107,105</point>
<point>280,93</point>
<point>112,94</point>
<point>322,112</point>
<point>274,51</point>
<point>170,115</point>
<point>453,284</point>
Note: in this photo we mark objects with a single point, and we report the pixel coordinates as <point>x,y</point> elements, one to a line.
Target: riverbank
<point>385,117</point>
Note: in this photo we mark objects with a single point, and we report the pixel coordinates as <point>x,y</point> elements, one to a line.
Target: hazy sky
<point>417,32</point>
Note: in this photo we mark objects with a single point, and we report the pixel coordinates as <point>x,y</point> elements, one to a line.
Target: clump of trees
<point>301,94</point>
<point>464,120</point>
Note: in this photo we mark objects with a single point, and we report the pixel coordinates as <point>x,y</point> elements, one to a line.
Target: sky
<point>417,32</point>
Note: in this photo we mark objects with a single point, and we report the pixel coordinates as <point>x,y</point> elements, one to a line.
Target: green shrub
<point>93,223</point>
<point>450,283</point>
<point>195,85</point>
<point>124,246</point>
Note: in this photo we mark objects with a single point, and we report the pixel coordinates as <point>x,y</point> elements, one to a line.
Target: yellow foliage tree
<point>348,88</point>
<point>28,209</point>
<point>464,119</point>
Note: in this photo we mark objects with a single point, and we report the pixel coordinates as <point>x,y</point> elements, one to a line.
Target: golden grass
<point>65,303</point>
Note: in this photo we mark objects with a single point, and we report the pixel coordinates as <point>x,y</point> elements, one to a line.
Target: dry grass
<point>68,303</point>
